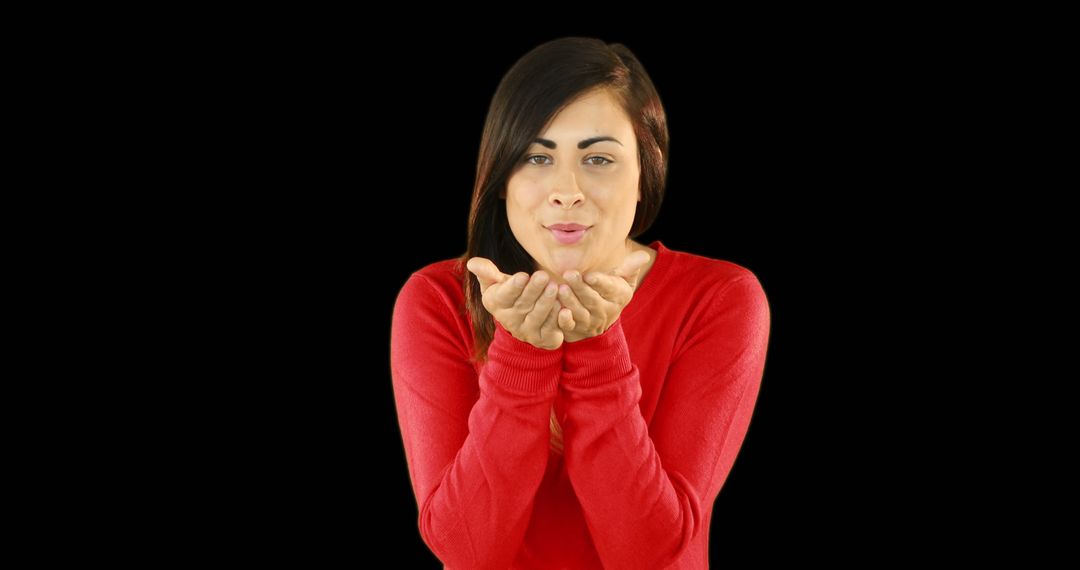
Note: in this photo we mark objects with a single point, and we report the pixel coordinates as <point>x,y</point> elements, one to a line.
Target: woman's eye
<point>539,160</point>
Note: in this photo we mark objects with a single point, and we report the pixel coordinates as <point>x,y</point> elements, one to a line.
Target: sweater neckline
<point>653,282</point>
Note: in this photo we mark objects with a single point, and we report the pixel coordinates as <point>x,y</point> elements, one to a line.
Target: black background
<point>351,164</point>
<point>746,142</point>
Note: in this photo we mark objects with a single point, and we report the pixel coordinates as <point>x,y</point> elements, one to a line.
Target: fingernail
<point>564,289</point>
<point>550,291</point>
<point>590,279</point>
<point>521,280</point>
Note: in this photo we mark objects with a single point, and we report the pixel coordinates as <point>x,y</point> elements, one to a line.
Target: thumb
<point>486,272</point>
<point>631,265</point>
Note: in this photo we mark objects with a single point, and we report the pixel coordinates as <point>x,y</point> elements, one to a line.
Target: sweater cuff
<point>518,365</point>
<point>597,360</point>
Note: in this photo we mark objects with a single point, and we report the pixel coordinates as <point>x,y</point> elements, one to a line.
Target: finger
<point>550,330</point>
<point>532,291</point>
<point>534,321</point>
<point>631,265</point>
<point>610,287</point>
<point>587,296</point>
<point>566,320</point>
<point>570,300</point>
<point>486,272</point>
<point>506,294</point>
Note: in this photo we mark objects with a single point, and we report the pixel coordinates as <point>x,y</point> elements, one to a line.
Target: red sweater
<point>653,414</point>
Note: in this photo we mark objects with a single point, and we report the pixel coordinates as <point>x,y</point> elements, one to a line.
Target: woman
<point>568,397</point>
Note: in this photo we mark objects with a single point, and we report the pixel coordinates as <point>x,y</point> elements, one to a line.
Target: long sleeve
<point>475,460</point>
<point>644,490</point>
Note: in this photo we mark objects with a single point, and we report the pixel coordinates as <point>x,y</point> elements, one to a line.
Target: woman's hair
<point>532,92</point>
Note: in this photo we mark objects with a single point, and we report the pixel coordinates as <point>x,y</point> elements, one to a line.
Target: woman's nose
<point>566,200</point>
<point>566,192</point>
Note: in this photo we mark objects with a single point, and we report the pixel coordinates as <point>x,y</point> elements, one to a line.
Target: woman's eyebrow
<point>582,144</point>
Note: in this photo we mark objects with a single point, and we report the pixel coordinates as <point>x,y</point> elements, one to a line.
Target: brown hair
<point>533,91</point>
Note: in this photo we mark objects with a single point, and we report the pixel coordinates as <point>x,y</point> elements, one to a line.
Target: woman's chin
<point>563,261</point>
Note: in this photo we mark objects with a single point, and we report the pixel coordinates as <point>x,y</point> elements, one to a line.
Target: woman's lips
<point>567,238</point>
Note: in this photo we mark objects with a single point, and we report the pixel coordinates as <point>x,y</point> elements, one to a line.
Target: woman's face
<point>575,174</point>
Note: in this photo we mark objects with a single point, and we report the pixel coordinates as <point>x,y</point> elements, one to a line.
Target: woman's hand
<point>591,306</point>
<point>526,307</point>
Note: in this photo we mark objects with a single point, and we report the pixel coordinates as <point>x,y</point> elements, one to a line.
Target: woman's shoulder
<point>440,278</point>
<point>687,282</point>
<point>429,309</point>
<point>712,272</point>
<point>716,286</point>
<point>443,271</point>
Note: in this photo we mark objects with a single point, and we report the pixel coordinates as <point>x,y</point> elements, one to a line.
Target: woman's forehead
<point>598,111</point>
